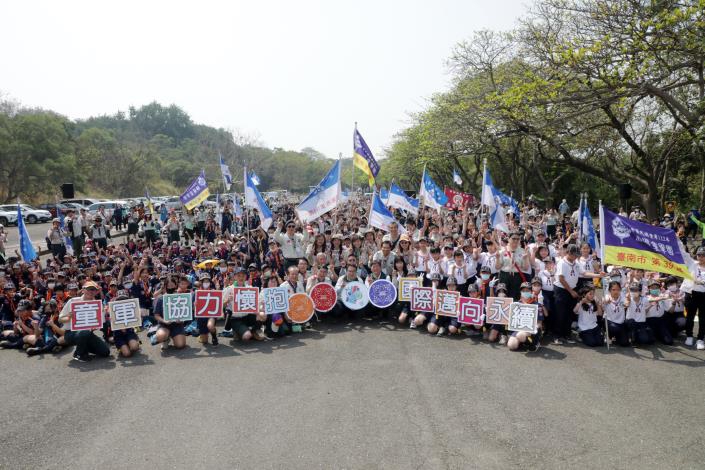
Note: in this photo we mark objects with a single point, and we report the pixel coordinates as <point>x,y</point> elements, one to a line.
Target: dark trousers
<point>58,250</point>
<point>695,304</point>
<point>77,243</point>
<point>619,332</point>
<point>513,282</point>
<point>563,316</point>
<point>86,342</point>
<point>660,330</point>
<point>639,332</point>
<point>592,338</point>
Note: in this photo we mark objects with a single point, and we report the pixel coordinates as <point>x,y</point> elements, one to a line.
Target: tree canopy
<point>154,146</point>
<point>582,96</point>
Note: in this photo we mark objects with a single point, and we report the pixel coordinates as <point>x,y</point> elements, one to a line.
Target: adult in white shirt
<point>293,245</point>
<point>568,272</point>
<point>695,302</point>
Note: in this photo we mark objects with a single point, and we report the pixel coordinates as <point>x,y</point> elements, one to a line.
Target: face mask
<point>635,296</point>
<point>127,285</point>
<point>526,295</point>
<point>51,285</point>
<point>223,269</point>
<point>206,285</point>
<point>485,276</point>
<point>655,291</point>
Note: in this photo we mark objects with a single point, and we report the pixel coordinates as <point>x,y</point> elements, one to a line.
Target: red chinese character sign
<point>422,299</point>
<point>86,315</point>
<point>447,303</point>
<point>471,311</point>
<point>245,299</point>
<point>324,297</point>
<point>208,304</point>
<point>498,310</point>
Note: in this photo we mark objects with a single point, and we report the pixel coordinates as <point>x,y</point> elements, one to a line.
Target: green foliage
<point>120,155</point>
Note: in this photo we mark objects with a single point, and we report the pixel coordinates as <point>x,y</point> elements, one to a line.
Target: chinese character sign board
<point>523,317</point>
<point>405,285</point>
<point>447,303</point>
<point>497,310</point>
<point>275,300</point>
<point>208,304</point>
<point>422,299</point>
<point>125,314</point>
<point>86,315</point>
<point>245,299</point>
<point>177,307</point>
<point>471,311</point>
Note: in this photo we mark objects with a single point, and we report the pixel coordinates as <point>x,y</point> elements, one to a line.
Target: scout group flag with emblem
<point>196,193</point>
<point>633,244</point>
<point>363,158</point>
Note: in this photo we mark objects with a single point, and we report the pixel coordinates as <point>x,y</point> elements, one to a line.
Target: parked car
<point>174,203</point>
<point>83,202</point>
<point>108,206</point>
<point>8,217</point>
<point>52,208</point>
<point>30,214</point>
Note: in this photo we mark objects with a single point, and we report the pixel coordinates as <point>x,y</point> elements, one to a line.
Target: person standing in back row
<point>292,244</point>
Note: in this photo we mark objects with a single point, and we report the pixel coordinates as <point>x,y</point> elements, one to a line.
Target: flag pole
<point>352,164</point>
<point>608,340</point>
<point>247,212</point>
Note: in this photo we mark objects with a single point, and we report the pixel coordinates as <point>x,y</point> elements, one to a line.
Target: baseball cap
<point>89,285</point>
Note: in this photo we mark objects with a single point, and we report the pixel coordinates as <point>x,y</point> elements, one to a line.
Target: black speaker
<point>625,191</point>
<point>67,191</point>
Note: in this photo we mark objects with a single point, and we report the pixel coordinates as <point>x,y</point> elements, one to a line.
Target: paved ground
<point>37,233</point>
<point>365,396</point>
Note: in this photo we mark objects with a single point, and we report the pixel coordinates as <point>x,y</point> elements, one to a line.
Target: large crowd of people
<point>540,260</point>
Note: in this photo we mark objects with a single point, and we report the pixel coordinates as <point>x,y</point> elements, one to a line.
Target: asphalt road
<point>37,233</point>
<point>361,396</point>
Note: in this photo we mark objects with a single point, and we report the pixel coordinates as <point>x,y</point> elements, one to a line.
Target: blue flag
<point>433,196</point>
<point>588,229</point>
<point>254,199</point>
<point>26,249</point>
<point>323,198</point>
<point>384,195</point>
<point>254,178</point>
<point>380,216</point>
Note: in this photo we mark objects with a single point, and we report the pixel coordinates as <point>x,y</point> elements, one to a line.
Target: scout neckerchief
<point>521,274</point>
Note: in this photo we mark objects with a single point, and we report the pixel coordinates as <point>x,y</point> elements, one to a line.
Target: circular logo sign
<point>354,295</point>
<point>324,297</point>
<point>382,293</point>
<point>300,308</point>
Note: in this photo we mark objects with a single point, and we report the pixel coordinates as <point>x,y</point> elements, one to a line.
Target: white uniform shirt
<point>637,310</point>
<point>587,319</point>
<point>614,310</point>
<point>570,271</point>
<point>699,277</point>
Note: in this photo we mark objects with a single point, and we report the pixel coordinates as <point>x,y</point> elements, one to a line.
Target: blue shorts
<point>122,337</point>
<point>175,329</point>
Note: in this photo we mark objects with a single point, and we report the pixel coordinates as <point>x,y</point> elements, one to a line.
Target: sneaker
<point>570,341</point>
<point>33,351</point>
<point>4,344</point>
<point>412,325</point>
<point>557,341</point>
<point>84,358</point>
<point>56,349</point>
<point>259,336</point>
<point>165,344</point>
<point>700,345</point>
<point>153,340</point>
<point>689,341</point>
<point>226,333</point>
<point>441,331</point>
<point>201,340</point>
<point>503,340</point>
<point>214,339</point>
